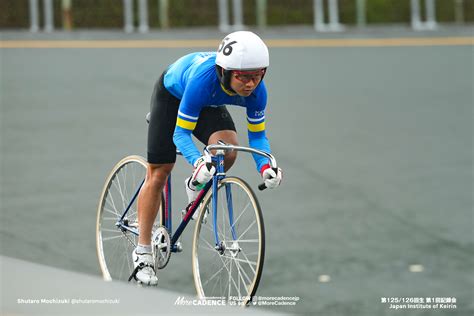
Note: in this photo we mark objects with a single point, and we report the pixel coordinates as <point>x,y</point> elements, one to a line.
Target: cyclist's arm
<point>258,140</point>
<point>188,114</point>
<point>185,125</point>
<point>256,131</point>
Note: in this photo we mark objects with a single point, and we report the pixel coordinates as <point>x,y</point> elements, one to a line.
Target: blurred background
<point>111,14</point>
<point>374,133</point>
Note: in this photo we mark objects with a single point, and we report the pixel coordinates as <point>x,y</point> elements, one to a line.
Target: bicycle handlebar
<point>228,147</point>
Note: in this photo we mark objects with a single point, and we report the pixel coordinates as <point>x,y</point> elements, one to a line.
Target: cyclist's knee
<point>229,159</point>
<point>157,173</point>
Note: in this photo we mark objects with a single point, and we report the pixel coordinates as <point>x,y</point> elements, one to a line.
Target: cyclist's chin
<point>244,93</point>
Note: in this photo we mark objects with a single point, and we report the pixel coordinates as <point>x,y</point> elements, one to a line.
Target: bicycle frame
<point>167,208</point>
<point>218,160</point>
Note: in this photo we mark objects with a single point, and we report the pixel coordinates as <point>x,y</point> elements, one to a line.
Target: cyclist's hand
<point>203,171</point>
<point>271,178</point>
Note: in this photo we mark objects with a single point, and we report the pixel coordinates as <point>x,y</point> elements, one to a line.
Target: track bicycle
<point>229,238</point>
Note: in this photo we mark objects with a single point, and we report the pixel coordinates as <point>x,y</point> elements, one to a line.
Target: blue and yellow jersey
<point>194,81</point>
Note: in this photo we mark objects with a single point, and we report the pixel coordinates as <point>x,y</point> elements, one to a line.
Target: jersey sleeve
<point>194,98</point>
<point>256,129</point>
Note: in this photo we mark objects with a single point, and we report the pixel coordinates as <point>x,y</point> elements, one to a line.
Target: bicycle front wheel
<point>117,238</point>
<point>233,267</point>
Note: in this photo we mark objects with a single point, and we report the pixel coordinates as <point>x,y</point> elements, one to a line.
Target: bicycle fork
<point>220,174</point>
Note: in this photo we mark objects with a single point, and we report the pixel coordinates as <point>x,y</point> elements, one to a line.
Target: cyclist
<point>190,98</point>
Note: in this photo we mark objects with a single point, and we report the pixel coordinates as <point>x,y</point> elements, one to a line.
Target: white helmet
<point>241,51</point>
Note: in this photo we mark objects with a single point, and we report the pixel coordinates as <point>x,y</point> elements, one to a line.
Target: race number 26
<point>226,48</point>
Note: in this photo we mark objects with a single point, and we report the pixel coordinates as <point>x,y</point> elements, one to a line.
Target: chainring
<point>161,244</point>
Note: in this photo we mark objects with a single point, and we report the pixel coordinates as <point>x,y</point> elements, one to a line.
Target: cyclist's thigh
<point>214,122</point>
<point>164,110</point>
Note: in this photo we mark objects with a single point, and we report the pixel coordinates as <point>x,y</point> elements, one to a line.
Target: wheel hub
<point>234,249</point>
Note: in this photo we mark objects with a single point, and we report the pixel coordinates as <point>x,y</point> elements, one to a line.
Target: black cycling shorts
<point>164,112</point>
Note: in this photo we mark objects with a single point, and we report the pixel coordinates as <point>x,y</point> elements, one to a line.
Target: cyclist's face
<point>244,82</point>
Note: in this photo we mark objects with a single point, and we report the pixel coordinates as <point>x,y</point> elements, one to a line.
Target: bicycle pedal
<point>179,246</point>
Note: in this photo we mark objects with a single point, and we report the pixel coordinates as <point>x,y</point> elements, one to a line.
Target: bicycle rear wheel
<point>233,268</point>
<point>115,240</point>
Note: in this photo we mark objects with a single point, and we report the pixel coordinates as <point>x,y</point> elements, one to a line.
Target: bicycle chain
<point>129,240</point>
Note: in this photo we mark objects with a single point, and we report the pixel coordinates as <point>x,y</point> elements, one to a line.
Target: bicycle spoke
<point>215,283</point>
<point>229,281</point>
<point>113,213</point>
<point>248,228</point>
<point>236,271</point>
<point>228,270</point>
<point>115,246</point>
<point>111,238</point>
<point>243,240</point>
<point>210,229</point>
<point>209,249</point>
<point>250,263</point>
<point>125,186</point>
<point>215,274</point>
<point>209,245</point>
<point>118,187</point>
<point>111,203</point>
<point>123,261</point>
<point>219,280</point>
<point>117,231</point>
<point>115,219</point>
<point>243,272</point>
<point>253,253</point>
<point>240,277</point>
<point>242,213</point>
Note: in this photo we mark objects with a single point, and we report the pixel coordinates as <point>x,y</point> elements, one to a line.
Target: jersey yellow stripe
<point>256,127</point>
<point>185,124</point>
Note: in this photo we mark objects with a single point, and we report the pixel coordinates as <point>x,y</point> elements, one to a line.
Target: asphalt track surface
<point>376,144</point>
<point>92,296</point>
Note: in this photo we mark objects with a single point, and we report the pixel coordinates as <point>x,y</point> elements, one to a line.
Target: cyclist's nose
<point>251,83</point>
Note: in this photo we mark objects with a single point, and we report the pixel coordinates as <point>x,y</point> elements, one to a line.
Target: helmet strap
<point>224,78</point>
<point>231,93</point>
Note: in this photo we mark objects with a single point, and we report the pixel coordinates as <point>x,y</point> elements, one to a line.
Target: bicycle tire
<point>234,254</point>
<point>114,246</point>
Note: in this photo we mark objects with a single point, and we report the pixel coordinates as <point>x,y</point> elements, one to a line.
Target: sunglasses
<point>246,76</point>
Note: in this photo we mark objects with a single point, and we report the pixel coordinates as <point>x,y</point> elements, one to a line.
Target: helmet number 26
<point>226,48</point>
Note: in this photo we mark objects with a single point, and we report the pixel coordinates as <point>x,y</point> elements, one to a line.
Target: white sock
<point>143,249</point>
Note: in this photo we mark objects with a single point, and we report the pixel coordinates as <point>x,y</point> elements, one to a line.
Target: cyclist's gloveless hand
<point>203,171</point>
<point>271,178</point>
